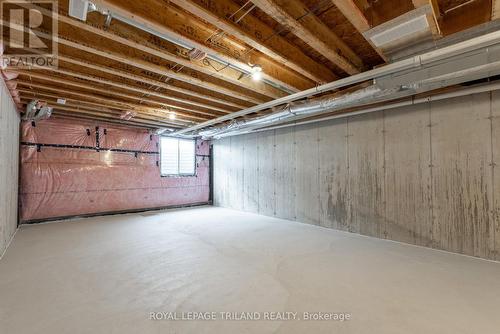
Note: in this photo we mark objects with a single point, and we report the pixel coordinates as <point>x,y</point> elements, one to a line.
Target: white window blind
<point>177,156</point>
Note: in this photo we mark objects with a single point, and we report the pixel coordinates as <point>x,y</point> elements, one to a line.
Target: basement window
<point>177,157</point>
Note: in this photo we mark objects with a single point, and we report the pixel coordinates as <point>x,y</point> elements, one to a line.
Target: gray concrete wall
<point>424,175</point>
<point>9,164</point>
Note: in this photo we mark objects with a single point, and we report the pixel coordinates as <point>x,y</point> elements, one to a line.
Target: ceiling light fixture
<point>256,72</point>
<point>172,116</point>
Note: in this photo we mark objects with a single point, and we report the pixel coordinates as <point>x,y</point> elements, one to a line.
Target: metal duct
<point>37,110</point>
<point>400,84</point>
<point>463,92</point>
<point>468,54</point>
<point>360,97</point>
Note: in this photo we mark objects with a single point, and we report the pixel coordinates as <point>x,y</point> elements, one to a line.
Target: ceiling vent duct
<point>79,9</point>
<point>404,30</point>
<point>37,110</point>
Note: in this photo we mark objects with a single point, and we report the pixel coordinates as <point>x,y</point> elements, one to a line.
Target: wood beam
<point>71,102</point>
<point>101,112</point>
<point>356,17</point>
<point>436,14</point>
<point>258,36</point>
<point>99,90</point>
<point>76,111</point>
<point>160,70</point>
<point>39,94</point>
<point>145,92</point>
<point>93,116</point>
<point>103,51</point>
<point>108,102</point>
<point>465,16</point>
<point>311,30</point>
<point>67,115</point>
<point>495,10</point>
<point>155,83</point>
<point>353,14</point>
<point>181,26</point>
<point>138,40</point>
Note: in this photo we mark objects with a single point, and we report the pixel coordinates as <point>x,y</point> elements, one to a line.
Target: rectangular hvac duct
<point>78,9</point>
<point>404,30</point>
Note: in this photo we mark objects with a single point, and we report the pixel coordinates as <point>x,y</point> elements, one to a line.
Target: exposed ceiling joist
<point>259,36</point>
<point>312,31</point>
<point>93,116</point>
<point>436,13</point>
<point>83,106</point>
<point>102,101</point>
<point>352,12</point>
<point>192,32</point>
<point>144,92</point>
<point>495,9</point>
<point>44,95</point>
<point>356,17</point>
<point>98,90</point>
<point>154,83</point>
<point>227,74</point>
<point>465,15</point>
<point>101,49</point>
<point>74,111</point>
<point>67,115</point>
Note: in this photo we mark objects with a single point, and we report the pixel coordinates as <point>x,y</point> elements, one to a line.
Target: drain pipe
<point>463,92</point>
<point>406,64</point>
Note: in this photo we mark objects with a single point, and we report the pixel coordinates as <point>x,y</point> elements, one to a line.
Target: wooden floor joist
<point>356,17</point>
<point>312,31</point>
<point>160,70</point>
<point>182,112</point>
<point>195,58</point>
<point>96,117</point>
<point>102,51</point>
<point>259,36</point>
<point>154,83</point>
<point>92,105</point>
<point>102,101</point>
<point>75,109</point>
<point>140,40</point>
<point>181,26</point>
<point>228,74</point>
<point>170,102</point>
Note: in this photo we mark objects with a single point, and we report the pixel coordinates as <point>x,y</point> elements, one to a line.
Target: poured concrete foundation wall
<point>9,166</point>
<point>424,175</point>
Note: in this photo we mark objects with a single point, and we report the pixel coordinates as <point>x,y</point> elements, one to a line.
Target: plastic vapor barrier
<point>77,167</point>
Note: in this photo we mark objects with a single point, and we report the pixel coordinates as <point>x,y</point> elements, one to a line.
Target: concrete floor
<point>106,275</point>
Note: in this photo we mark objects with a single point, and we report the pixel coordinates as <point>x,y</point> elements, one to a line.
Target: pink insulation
<point>8,76</point>
<point>68,181</point>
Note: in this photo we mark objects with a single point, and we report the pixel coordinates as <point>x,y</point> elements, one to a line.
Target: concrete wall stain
<point>434,190</point>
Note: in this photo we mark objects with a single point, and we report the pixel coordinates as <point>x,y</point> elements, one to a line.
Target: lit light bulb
<point>172,116</point>
<point>256,76</point>
<point>256,72</point>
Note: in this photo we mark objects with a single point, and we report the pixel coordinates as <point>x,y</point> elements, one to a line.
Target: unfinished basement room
<point>250,166</point>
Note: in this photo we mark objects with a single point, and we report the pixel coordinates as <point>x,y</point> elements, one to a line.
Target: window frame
<point>178,158</point>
